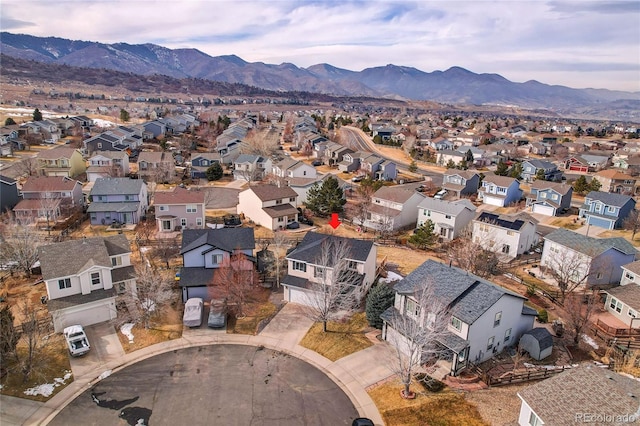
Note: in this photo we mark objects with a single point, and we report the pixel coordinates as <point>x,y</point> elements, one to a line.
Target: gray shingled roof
<point>68,258</point>
<point>589,245</point>
<point>628,294</point>
<point>227,239</point>
<point>542,335</point>
<point>309,249</point>
<point>466,295</point>
<point>116,186</point>
<point>79,299</point>
<point>195,277</point>
<point>585,389</point>
<point>97,207</point>
<point>609,198</point>
<point>452,208</point>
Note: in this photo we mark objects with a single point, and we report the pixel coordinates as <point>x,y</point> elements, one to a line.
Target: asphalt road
<point>217,385</point>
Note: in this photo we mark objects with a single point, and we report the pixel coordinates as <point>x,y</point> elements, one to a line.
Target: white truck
<point>76,340</point>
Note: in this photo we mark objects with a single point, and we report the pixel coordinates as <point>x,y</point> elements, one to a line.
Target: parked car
<point>362,421</point>
<point>440,194</point>
<point>305,221</point>
<point>357,178</point>
<point>293,225</point>
<point>77,341</point>
<point>316,163</point>
<point>193,312</point>
<point>217,313</point>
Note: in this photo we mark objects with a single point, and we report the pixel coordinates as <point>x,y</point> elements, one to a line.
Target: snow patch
<point>589,341</point>
<point>47,388</point>
<point>126,330</point>
<point>391,277</point>
<point>104,375</point>
<point>103,123</point>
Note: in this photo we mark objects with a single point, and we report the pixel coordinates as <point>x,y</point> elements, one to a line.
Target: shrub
<point>543,316</point>
<point>429,383</point>
<point>379,299</point>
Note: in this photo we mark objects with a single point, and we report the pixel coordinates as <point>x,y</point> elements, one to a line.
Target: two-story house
<point>531,170</point>
<point>334,153</point>
<point>461,182</point>
<point>251,167</point>
<point>387,171</point>
<point>393,208</point>
<point>83,278</point>
<point>290,168</point>
<point>584,260</point>
<point>107,164</point>
<point>351,161</point>
<point>9,195</point>
<point>201,161</point>
<point>180,208</point>
<point>549,198</point>
<point>449,218</point>
<point>508,236</point>
<point>500,191</point>
<point>606,210</point>
<point>484,318</point>
<point>206,250</point>
<point>118,200</point>
<point>616,181</point>
<point>269,205</point>
<point>370,165</point>
<point>48,197</point>
<point>61,161</point>
<point>623,301</point>
<point>306,265</point>
<point>156,166</point>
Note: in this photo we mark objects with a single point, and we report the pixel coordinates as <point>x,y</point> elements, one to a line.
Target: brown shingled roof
<point>179,196</point>
<point>272,192</point>
<point>49,183</point>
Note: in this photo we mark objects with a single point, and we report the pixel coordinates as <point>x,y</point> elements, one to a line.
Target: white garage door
<point>85,317</point>
<point>298,296</point>
<point>546,210</point>
<point>493,201</point>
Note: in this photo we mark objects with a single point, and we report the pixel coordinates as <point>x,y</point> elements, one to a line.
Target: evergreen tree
<point>450,164</point>
<point>413,166</point>
<point>540,174</point>
<point>124,115</point>
<point>8,334</point>
<point>214,172</point>
<point>424,236</point>
<point>468,157</point>
<point>502,169</point>
<point>516,171</point>
<point>379,299</point>
<point>37,115</point>
<point>326,198</point>
<point>581,186</point>
<point>9,121</point>
<point>594,185</point>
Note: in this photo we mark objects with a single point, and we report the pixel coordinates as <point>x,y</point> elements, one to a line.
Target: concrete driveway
<point>368,366</point>
<point>16,411</point>
<point>216,384</point>
<point>105,348</point>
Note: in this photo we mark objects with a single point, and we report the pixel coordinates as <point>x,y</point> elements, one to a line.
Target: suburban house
<point>351,161</point>
<point>531,167</point>
<point>155,128</point>
<point>449,218</point>
<point>61,161</point>
<point>305,265</point>
<point>48,197</point>
<point>549,198</point>
<point>334,153</point>
<point>303,185</point>
<point>290,168</point>
<point>594,262</point>
<point>9,195</point>
<point>449,155</point>
<point>440,144</point>
<point>500,191</point>
<point>83,278</point>
<point>251,167</point>
<point>386,171</point>
<point>393,208</point>
<point>107,164</point>
<point>206,250</point>
<point>179,209</point>
<point>201,161</point>
<point>586,163</point>
<point>484,317</point>
<point>585,394</point>
<point>461,182</point>
<point>156,166</point>
<point>606,210</point>
<point>508,236</point>
<point>104,142</point>
<point>616,181</point>
<point>269,205</point>
<point>118,200</point>
<point>623,302</point>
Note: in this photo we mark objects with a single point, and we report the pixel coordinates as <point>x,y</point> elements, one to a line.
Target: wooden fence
<point>624,344</point>
<point>606,331</point>
<point>522,376</point>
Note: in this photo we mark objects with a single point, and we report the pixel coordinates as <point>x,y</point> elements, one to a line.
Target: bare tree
<point>280,244</point>
<point>19,244</point>
<point>580,309</point>
<point>385,224</point>
<point>257,143</point>
<point>474,254</point>
<point>28,166</point>
<point>417,327</point>
<point>335,288</point>
<point>167,249</point>
<point>50,207</point>
<point>235,279</point>
<point>632,223</point>
<point>31,338</point>
<point>150,294</point>
<point>570,269</point>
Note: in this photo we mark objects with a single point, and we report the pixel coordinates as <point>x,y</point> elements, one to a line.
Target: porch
<point>607,326</point>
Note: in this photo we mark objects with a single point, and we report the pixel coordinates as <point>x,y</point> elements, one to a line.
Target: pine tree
<point>424,236</point>
<point>8,334</point>
<point>594,185</point>
<point>581,186</point>
<point>379,299</point>
<point>214,172</point>
<point>413,166</point>
<point>37,115</point>
<point>540,174</point>
<point>326,198</point>
<point>502,169</point>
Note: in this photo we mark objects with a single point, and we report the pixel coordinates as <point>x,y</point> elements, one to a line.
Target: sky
<point>578,44</point>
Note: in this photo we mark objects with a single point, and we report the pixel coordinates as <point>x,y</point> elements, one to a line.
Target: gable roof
<point>154,157</point>
<point>560,188</point>
<point>49,183</point>
<point>179,196</point>
<point>7,180</point>
<point>628,293</point>
<point>497,180</point>
<point>68,258</point>
<point>589,245</point>
<point>272,192</point>
<point>466,295</point>
<point>115,186</point>
<point>452,208</point>
<point>515,222</point>
<point>541,164</point>
<point>310,248</point>
<point>227,239</point>
<point>542,335</point>
<point>609,198</point>
<point>466,174</point>
<point>614,174</point>
<point>587,388</point>
<point>397,194</point>
<point>57,152</point>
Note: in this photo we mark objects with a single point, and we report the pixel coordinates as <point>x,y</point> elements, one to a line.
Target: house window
<point>192,208</point>
<point>427,212</point>
<point>121,288</point>
<point>319,272</point>
<point>299,266</point>
<point>611,209</point>
<point>128,197</point>
<point>511,233</point>
<point>116,261</point>
<point>629,275</point>
<point>99,145</point>
<point>95,278</point>
<point>507,335</point>
<point>505,248</point>
<point>278,201</point>
<point>198,221</point>
<point>164,208</point>
<point>616,304</point>
<point>412,308</point>
<point>456,323</point>
<point>599,276</point>
<point>216,259</point>
<point>447,216</point>
<point>543,195</point>
<point>534,420</point>
<point>64,283</point>
<point>281,219</point>
<point>443,232</point>
<point>183,222</point>
<point>497,318</point>
<point>632,313</point>
<point>292,200</point>
<point>490,342</point>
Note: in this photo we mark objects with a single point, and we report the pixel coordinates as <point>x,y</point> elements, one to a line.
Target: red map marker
<point>334,222</point>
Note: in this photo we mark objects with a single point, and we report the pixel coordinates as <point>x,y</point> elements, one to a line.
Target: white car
<point>193,312</point>
<point>440,194</point>
<point>76,340</point>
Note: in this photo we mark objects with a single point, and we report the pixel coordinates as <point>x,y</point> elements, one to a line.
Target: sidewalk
<point>283,333</point>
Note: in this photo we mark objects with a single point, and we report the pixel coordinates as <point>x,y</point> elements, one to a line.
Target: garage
<point>85,314</point>
<point>493,201</point>
<point>191,292</point>
<point>543,209</point>
<point>297,295</point>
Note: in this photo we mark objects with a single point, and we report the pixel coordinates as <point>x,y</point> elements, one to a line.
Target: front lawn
<point>255,313</point>
<point>444,408</point>
<point>143,337</point>
<point>341,338</point>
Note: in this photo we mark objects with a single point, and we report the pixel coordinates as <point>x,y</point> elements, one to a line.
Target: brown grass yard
<point>254,314</point>
<point>167,326</point>
<point>404,258</point>
<point>445,408</point>
<point>571,222</point>
<point>341,338</point>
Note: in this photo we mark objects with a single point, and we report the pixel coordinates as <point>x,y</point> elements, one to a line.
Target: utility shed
<point>538,343</point>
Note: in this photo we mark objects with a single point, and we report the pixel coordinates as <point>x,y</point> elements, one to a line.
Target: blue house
<point>499,191</point>
<point>606,210</point>
<point>461,182</point>
<point>118,200</point>
<point>9,195</point>
<point>530,170</point>
<point>549,198</point>
<point>201,162</point>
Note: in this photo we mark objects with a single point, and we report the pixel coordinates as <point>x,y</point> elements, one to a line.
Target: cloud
<point>530,40</point>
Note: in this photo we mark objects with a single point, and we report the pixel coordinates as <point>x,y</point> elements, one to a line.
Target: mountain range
<point>454,86</point>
